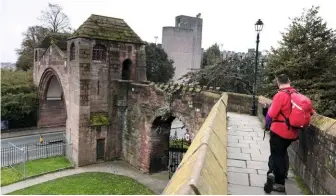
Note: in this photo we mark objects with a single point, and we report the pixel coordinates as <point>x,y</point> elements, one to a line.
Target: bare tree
<point>54,19</point>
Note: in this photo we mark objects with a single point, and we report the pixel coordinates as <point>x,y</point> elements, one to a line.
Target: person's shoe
<point>268,187</point>
<point>279,188</point>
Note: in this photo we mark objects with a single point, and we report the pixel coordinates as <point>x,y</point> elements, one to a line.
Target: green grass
<point>35,167</point>
<point>91,183</point>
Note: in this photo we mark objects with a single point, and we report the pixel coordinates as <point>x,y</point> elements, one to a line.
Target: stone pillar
<point>86,148</point>
<point>141,64</point>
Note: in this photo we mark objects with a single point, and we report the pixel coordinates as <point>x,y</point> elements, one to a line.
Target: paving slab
<point>257,165</point>
<point>235,189</point>
<point>251,145</point>
<point>234,144</point>
<point>242,170</point>
<point>259,157</point>
<point>247,141</point>
<point>238,178</point>
<point>257,180</point>
<point>239,156</point>
<point>236,163</point>
<point>233,149</point>
<point>250,150</point>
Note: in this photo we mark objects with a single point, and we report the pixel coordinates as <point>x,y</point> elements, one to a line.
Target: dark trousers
<point>270,164</point>
<point>279,162</point>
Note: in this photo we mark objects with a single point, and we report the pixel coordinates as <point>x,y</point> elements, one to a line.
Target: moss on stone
<point>322,122</point>
<point>107,28</point>
<point>302,185</point>
<point>211,94</point>
<point>99,119</point>
<point>59,39</point>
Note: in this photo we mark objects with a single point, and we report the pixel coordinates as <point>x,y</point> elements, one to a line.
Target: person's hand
<point>263,102</point>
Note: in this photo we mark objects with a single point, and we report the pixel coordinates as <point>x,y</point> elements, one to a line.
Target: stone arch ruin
<point>107,107</point>
<point>52,110</point>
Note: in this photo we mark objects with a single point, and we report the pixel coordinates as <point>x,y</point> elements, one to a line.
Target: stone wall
<point>148,102</point>
<point>52,113</point>
<point>203,170</point>
<point>313,156</point>
<point>239,103</point>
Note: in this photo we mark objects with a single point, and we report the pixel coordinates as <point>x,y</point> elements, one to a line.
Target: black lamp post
<point>258,27</point>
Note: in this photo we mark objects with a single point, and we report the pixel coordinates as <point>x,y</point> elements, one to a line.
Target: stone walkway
<point>248,157</point>
<point>156,182</point>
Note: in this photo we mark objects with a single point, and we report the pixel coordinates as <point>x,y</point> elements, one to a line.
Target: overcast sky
<point>227,22</point>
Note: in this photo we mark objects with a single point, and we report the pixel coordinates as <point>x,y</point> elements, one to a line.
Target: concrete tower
<point>183,43</point>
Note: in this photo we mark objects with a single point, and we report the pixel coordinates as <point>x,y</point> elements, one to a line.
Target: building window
<point>99,53</point>
<point>72,52</point>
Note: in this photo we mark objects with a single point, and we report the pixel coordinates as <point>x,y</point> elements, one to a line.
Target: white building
<point>183,44</point>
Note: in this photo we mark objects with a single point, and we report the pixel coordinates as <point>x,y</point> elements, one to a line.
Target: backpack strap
<point>287,119</point>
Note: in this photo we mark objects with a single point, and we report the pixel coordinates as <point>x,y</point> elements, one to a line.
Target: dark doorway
<point>177,148</point>
<point>168,147</point>
<point>126,69</point>
<point>100,149</point>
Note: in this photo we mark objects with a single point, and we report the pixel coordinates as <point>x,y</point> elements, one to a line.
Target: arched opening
<point>54,91</point>
<point>72,52</point>
<point>168,144</point>
<point>126,69</point>
<point>52,109</point>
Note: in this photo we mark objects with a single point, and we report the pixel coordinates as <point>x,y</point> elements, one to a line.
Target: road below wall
<point>31,139</point>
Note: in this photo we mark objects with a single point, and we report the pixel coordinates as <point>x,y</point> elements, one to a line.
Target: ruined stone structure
<point>94,83</point>
<point>183,44</point>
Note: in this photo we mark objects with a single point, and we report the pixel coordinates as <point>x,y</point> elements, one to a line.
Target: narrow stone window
<point>126,69</point>
<point>36,56</point>
<point>99,53</point>
<point>72,52</point>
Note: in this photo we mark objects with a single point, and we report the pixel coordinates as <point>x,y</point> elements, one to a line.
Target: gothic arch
<point>52,105</point>
<point>159,135</point>
<point>165,112</point>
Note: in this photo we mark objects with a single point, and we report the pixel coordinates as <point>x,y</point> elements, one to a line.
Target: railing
<point>20,153</point>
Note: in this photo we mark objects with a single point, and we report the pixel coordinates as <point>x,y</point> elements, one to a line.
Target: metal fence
<point>16,154</point>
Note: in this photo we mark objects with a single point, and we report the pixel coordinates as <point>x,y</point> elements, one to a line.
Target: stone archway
<point>160,137</point>
<point>52,105</point>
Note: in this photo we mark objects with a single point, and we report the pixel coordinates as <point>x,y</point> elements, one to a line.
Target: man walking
<point>268,122</point>
<point>290,111</point>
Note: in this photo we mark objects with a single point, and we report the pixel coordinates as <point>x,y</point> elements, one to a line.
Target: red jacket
<point>282,102</point>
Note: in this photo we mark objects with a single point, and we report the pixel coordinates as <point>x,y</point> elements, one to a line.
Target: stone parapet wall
<point>146,102</point>
<point>313,156</point>
<point>203,169</point>
<point>239,103</point>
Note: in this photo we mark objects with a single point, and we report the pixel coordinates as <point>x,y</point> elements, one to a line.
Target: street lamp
<point>258,27</point>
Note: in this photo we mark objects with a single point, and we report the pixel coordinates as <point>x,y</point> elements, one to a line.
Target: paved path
<point>156,182</point>
<point>248,157</point>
